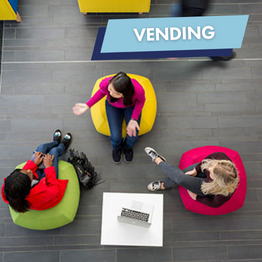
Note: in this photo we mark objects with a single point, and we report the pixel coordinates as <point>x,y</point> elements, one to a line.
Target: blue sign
<point>170,37</point>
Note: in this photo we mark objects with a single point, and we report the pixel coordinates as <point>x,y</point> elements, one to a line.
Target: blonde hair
<point>225,177</point>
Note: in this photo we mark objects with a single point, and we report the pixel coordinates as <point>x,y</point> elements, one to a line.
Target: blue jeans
<point>53,148</point>
<point>176,10</point>
<point>115,118</point>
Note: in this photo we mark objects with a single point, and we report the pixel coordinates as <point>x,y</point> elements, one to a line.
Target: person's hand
<point>191,172</point>
<point>48,160</point>
<point>38,158</point>
<point>132,127</point>
<point>80,108</point>
<point>193,195</point>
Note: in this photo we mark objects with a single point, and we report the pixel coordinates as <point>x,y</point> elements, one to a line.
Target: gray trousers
<point>178,177</point>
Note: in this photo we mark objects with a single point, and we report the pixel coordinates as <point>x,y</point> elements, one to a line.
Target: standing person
<point>125,99</point>
<point>190,8</point>
<point>211,182</point>
<point>187,8</point>
<point>34,188</point>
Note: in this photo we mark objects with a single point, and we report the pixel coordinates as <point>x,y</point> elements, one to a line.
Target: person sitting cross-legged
<point>35,187</point>
<point>211,182</point>
<point>125,99</point>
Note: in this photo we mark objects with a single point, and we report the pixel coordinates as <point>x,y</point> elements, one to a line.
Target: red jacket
<point>47,193</point>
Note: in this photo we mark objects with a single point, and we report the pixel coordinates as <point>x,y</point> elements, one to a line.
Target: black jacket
<point>202,4</point>
<point>194,7</point>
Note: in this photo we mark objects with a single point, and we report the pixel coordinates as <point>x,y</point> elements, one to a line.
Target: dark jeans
<point>115,118</point>
<point>179,10</point>
<point>53,148</point>
<point>178,177</point>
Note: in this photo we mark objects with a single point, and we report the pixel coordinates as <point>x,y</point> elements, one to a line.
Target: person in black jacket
<point>187,8</point>
<point>211,182</point>
<point>191,8</point>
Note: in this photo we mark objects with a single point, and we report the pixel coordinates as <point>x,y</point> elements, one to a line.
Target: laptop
<point>136,213</point>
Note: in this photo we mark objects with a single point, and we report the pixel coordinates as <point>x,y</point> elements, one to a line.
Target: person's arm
<point>218,156</point>
<point>50,175</point>
<point>216,201</point>
<point>3,193</point>
<point>81,108</point>
<point>49,168</point>
<point>139,101</point>
<point>100,93</point>
<point>198,167</point>
<point>30,165</point>
<point>95,98</point>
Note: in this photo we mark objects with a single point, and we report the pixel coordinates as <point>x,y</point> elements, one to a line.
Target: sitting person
<point>34,188</point>
<point>211,182</point>
<point>125,99</point>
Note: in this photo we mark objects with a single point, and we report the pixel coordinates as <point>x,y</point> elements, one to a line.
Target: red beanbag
<point>237,200</point>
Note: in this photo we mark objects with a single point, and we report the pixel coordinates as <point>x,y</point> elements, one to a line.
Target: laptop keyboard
<point>132,214</point>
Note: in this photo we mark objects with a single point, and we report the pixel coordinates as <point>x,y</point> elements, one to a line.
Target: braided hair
<point>17,188</point>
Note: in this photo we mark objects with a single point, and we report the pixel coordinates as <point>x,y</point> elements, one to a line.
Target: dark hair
<point>122,84</point>
<point>17,188</point>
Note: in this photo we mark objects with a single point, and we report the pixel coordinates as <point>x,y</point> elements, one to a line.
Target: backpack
<point>86,173</point>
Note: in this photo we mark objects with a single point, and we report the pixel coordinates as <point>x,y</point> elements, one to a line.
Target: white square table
<point>115,232</point>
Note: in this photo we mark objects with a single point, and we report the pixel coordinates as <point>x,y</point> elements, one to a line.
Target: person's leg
<point>223,58</point>
<point>115,118</point>
<point>168,184</point>
<point>57,152</point>
<point>129,141</point>
<point>46,147</point>
<point>176,10</point>
<point>171,183</point>
<point>192,11</point>
<point>178,177</point>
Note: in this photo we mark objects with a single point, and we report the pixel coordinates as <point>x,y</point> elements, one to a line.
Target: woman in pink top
<point>125,99</point>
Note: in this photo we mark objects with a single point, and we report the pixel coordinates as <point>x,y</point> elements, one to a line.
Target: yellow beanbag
<point>148,115</point>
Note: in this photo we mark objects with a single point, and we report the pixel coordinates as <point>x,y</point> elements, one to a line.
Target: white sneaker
<point>153,154</point>
<point>154,186</point>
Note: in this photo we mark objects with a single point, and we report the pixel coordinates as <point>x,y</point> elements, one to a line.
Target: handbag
<point>86,173</point>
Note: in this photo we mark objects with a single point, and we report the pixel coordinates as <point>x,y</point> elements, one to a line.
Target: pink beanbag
<point>237,200</point>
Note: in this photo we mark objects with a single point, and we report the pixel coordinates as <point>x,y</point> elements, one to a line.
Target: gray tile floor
<point>46,69</point>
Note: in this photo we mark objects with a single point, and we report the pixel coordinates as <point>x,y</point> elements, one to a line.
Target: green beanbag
<point>58,216</point>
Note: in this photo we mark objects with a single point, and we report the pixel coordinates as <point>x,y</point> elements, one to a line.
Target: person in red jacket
<point>33,187</point>
<point>211,182</point>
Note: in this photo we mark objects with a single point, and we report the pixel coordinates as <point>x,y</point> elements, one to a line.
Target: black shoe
<point>57,136</point>
<point>224,58</point>
<point>67,140</point>
<point>117,156</point>
<point>128,155</point>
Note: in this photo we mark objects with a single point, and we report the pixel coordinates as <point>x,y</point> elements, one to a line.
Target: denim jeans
<point>115,118</point>
<point>178,177</point>
<point>176,10</point>
<point>53,148</point>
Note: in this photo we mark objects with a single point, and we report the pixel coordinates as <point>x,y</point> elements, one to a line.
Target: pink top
<point>138,98</point>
